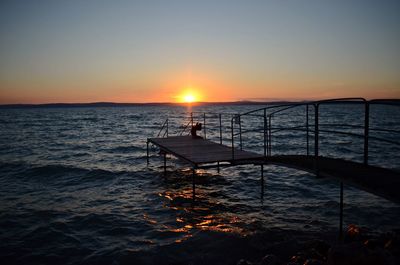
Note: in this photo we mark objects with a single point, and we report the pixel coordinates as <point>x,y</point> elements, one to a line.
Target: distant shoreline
<point>113,104</point>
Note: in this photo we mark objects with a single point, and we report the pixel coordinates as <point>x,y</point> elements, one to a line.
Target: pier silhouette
<point>202,153</point>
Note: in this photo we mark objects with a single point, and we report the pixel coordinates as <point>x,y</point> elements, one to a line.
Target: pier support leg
<point>341,212</point>
<point>165,164</point>
<point>218,167</point>
<point>193,183</point>
<point>147,156</point>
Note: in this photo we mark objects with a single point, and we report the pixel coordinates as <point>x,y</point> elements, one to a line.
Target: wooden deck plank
<point>201,151</point>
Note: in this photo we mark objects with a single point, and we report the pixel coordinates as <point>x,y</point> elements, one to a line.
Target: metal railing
<point>164,129</point>
<point>212,125</point>
<point>229,128</point>
<point>310,124</point>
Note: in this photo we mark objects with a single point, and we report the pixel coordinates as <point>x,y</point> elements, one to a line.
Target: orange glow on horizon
<point>174,87</point>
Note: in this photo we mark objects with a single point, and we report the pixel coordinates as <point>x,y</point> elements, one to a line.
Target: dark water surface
<point>75,189</point>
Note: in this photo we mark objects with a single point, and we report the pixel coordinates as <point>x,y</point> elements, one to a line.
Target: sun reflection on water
<point>202,215</point>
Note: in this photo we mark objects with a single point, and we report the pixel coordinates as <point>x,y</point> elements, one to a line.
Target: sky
<point>158,51</point>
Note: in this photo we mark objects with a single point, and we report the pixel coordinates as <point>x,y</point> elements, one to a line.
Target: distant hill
<point>112,104</point>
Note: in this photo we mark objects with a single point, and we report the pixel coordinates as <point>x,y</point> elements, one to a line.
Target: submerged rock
<point>298,259</point>
<point>320,247</point>
<point>360,247</point>
<point>270,260</point>
<point>316,250</point>
<point>357,253</point>
<point>284,249</point>
<point>374,243</point>
<point>392,244</point>
<point>355,233</point>
<point>313,262</point>
<point>243,262</point>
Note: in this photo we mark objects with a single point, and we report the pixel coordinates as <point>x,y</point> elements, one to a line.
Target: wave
<point>93,119</point>
<point>59,174</point>
<point>125,149</point>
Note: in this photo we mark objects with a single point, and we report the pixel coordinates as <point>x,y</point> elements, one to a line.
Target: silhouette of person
<point>194,130</point>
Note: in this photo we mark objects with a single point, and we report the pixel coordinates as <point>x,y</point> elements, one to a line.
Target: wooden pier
<point>203,153</point>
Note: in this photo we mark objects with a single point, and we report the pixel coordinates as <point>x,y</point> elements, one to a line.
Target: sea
<point>75,186</point>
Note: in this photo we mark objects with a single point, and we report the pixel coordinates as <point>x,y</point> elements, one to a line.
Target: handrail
<point>386,101</point>
<point>288,107</point>
<point>341,125</point>
<point>271,111</point>
<point>341,100</point>
<point>304,119</point>
<point>384,130</point>
<point>197,116</point>
<point>384,140</point>
<point>334,100</point>
<point>213,113</point>
<point>165,125</point>
<point>185,127</point>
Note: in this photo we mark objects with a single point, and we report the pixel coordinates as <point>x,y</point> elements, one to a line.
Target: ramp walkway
<point>379,181</point>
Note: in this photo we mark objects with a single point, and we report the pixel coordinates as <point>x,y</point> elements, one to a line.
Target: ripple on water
<point>75,188</point>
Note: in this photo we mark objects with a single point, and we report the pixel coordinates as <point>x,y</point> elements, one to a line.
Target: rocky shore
<point>358,247</point>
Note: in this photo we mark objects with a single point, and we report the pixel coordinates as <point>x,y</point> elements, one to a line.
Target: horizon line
<point>144,103</point>
<point>245,101</point>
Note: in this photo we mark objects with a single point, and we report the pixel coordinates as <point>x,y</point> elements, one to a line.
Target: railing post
<point>240,132</point>
<point>147,156</point>
<point>165,123</point>
<point>204,118</point>
<point>265,132</point>
<point>167,126</point>
<point>191,118</point>
<point>233,144</point>
<point>269,135</point>
<point>316,131</point>
<point>316,139</point>
<point>308,144</point>
<point>220,129</point>
<point>366,132</point>
<point>220,134</point>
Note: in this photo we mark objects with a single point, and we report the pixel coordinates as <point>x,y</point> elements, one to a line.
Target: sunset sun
<point>189,98</point>
<point>189,95</point>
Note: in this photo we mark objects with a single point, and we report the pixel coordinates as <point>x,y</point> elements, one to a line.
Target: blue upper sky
<point>79,51</point>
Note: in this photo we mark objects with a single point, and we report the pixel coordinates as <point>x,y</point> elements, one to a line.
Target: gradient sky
<point>152,51</point>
